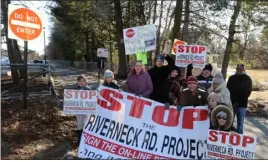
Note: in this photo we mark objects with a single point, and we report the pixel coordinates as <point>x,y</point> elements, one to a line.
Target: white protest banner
<point>175,44</point>
<point>132,127</point>
<point>141,38</point>
<point>187,54</point>
<point>79,101</point>
<point>224,145</point>
<point>102,52</point>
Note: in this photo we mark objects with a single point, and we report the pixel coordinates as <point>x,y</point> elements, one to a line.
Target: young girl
<point>81,84</point>
<point>108,80</point>
<point>213,101</point>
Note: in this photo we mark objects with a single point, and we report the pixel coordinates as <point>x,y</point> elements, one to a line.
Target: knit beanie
<point>218,78</point>
<point>160,57</point>
<point>108,73</point>
<point>191,79</point>
<point>208,67</point>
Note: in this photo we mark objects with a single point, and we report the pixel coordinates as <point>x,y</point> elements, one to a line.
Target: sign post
<point>24,24</point>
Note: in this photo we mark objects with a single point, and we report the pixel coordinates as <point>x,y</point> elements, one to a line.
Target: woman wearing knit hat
<point>222,118</point>
<point>219,86</point>
<point>108,80</point>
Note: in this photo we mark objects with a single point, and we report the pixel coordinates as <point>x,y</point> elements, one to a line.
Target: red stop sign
<point>130,33</point>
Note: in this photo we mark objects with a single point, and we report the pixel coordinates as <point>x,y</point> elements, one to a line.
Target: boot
<point>79,134</point>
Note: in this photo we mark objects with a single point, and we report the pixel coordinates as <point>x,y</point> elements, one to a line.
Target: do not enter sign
<point>23,23</point>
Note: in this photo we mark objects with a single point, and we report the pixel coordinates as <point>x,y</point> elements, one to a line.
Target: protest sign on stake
<point>131,127</point>
<point>141,38</point>
<point>175,45</point>
<point>102,52</point>
<point>79,101</point>
<point>187,54</point>
<point>228,146</point>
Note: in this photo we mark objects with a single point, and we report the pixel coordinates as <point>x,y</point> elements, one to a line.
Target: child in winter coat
<point>219,86</point>
<point>108,80</point>
<point>81,84</point>
<point>213,101</point>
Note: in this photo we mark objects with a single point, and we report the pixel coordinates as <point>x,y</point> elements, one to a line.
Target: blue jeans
<point>240,113</point>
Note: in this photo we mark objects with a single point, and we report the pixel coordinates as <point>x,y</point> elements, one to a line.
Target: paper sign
<point>142,56</point>
<point>79,101</point>
<point>224,145</point>
<point>141,38</point>
<point>191,54</point>
<point>102,52</point>
<point>175,44</point>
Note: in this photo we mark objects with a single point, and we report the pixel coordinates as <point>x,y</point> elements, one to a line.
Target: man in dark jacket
<point>240,87</point>
<point>205,79</point>
<point>159,74</point>
<point>193,96</point>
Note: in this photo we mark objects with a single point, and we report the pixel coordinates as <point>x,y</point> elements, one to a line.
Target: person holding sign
<point>108,80</point>
<point>159,73</point>
<point>139,81</point>
<point>193,96</point>
<point>81,84</point>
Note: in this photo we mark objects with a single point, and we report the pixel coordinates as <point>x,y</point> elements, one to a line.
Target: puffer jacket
<point>223,93</point>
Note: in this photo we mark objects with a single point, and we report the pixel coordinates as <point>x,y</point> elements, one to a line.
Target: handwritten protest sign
<point>102,52</point>
<point>224,145</point>
<point>141,56</point>
<point>141,38</point>
<point>79,101</point>
<point>131,127</point>
<point>187,54</point>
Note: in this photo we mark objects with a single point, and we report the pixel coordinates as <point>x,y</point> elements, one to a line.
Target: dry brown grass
<point>261,75</point>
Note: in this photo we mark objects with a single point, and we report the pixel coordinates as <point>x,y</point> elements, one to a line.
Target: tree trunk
<point>177,22</point>
<point>122,73</point>
<point>87,56</point>
<point>230,39</point>
<point>185,33</point>
<point>142,19</point>
<point>150,53</point>
<point>162,41</point>
<point>110,45</point>
<point>158,30</point>
<point>13,50</point>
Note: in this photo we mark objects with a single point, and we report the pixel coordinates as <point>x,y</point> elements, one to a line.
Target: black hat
<point>208,67</point>
<point>228,111</point>
<point>175,68</point>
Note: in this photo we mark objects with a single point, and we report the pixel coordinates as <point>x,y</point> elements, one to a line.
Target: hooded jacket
<point>139,84</point>
<point>158,76</point>
<point>240,87</point>
<point>223,93</point>
<point>214,121</point>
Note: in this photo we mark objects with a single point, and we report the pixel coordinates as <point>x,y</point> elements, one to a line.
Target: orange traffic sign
<point>24,24</point>
<point>176,42</point>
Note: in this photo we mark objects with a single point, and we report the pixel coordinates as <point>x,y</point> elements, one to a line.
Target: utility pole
<point>45,44</point>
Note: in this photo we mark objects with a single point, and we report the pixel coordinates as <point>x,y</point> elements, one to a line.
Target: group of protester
<point>165,84</point>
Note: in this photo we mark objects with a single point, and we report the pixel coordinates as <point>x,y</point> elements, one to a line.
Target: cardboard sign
<point>187,54</point>
<point>142,56</point>
<point>24,23</point>
<point>175,44</point>
<point>79,101</point>
<point>141,38</point>
<point>131,127</point>
<point>224,145</point>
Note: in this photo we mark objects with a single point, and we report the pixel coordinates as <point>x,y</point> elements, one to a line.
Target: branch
<point>210,30</point>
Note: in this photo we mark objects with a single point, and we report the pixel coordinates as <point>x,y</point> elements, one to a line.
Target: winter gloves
<point>167,105</point>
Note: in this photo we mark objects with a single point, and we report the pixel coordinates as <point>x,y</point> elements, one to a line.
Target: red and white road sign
<point>24,23</point>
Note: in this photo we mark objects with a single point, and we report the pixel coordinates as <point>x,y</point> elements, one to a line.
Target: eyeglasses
<point>222,117</point>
